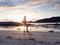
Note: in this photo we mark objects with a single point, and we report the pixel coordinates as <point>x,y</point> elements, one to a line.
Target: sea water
<point>34,27</point>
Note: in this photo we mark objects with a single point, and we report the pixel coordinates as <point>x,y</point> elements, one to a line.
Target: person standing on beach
<point>25,23</point>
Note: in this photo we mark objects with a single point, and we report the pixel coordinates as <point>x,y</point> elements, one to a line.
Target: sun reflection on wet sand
<point>22,28</point>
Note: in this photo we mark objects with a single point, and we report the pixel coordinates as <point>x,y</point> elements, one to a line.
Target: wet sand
<point>29,38</point>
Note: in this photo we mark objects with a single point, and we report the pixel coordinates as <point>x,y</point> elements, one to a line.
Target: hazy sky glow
<point>33,9</point>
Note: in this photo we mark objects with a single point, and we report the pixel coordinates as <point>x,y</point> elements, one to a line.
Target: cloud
<point>11,2</point>
<point>21,2</point>
<point>6,3</point>
<point>17,0</point>
<point>1,0</point>
<point>56,6</point>
<point>14,0</point>
<point>37,2</point>
<point>25,4</point>
<point>55,0</point>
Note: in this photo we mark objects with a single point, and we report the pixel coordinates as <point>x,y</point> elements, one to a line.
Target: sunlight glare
<point>18,15</point>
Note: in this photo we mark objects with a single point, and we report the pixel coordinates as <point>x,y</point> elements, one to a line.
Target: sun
<point>18,15</point>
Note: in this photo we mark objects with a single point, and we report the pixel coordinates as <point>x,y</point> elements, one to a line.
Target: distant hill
<point>9,23</point>
<point>46,20</point>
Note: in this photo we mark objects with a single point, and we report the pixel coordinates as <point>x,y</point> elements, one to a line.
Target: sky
<point>15,10</point>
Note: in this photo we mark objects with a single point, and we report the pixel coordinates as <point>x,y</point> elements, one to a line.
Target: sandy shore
<point>30,38</point>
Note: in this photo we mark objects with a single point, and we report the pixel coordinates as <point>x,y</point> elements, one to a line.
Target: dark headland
<point>48,20</point>
<point>10,23</point>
